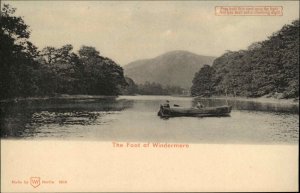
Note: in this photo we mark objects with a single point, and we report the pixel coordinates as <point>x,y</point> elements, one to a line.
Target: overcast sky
<point>131,30</point>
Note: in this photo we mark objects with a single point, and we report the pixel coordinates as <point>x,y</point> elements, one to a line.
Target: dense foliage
<point>157,89</point>
<point>203,83</point>
<point>150,89</point>
<point>267,68</point>
<point>26,71</point>
<point>131,88</point>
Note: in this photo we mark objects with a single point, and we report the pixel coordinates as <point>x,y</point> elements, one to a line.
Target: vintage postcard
<point>149,96</point>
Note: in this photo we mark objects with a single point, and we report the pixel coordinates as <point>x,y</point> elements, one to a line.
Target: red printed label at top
<point>248,10</point>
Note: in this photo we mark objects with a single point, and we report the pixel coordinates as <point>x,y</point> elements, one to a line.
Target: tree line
<point>150,88</point>
<point>268,68</point>
<point>27,71</point>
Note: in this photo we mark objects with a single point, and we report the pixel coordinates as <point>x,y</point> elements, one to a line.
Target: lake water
<point>134,118</point>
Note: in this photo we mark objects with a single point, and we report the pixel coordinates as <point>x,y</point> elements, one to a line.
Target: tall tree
<point>203,82</point>
<point>58,65</point>
<point>102,74</point>
<point>17,57</point>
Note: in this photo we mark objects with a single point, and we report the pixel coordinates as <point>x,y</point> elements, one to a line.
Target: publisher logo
<point>35,181</point>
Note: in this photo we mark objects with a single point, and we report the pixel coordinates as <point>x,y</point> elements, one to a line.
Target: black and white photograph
<point>85,85</point>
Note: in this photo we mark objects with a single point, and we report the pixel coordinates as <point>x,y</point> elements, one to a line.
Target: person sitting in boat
<point>167,104</point>
<point>199,105</point>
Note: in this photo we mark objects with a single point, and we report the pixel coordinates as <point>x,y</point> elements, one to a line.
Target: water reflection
<point>22,118</point>
<point>134,118</point>
<point>61,118</point>
<point>250,105</point>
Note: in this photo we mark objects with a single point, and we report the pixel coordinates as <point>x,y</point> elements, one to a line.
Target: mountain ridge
<point>173,68</point>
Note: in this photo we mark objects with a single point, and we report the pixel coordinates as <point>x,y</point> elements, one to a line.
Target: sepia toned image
<point>149,96</point>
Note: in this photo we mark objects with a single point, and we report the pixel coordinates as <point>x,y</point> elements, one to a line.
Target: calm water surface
<point>134,118</point>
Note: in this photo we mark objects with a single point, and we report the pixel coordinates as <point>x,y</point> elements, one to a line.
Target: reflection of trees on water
<point>21,119</point>
<point>61,118</point>
<point>249,105</point>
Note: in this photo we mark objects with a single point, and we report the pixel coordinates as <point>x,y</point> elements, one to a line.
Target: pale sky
<point>132,30</point>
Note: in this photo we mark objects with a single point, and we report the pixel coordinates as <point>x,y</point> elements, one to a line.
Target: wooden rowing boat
<point>167,111</point>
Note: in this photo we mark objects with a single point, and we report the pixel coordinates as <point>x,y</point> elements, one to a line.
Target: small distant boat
<point>176,111</point>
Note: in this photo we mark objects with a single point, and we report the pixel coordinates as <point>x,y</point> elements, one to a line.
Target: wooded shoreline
<point>258,99</point>
<point>87,97</point>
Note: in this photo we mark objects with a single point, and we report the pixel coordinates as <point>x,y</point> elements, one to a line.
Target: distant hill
<point>175,68</point>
